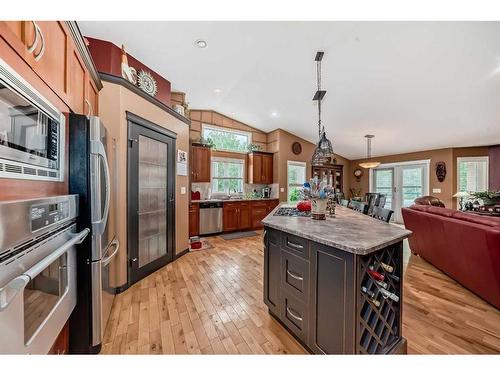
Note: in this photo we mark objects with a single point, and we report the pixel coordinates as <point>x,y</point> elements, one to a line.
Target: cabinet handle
<point>294,245</point>
<point>264,237</point>
<point>39,55</point>
<point>35,42</point>
<point>295,276</point>
<point>296,317</point>
<point>91,109</point>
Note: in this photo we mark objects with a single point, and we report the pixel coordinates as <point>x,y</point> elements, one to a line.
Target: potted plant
<point>489,198</point>
<point>205,142</point>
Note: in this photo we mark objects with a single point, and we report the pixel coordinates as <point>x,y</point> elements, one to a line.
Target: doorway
<point>402,183</point>
<point>151,197</point>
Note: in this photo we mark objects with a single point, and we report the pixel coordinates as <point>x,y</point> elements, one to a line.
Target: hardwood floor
<point>210,302</point>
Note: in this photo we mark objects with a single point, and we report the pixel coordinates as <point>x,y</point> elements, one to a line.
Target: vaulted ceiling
<point>415,85</point>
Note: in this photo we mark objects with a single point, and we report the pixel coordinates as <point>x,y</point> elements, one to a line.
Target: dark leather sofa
<point>464,246</point>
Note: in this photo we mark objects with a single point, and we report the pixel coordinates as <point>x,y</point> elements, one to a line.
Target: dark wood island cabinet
<point>317,290</point>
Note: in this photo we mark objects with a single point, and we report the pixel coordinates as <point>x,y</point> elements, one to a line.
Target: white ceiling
<point>415,85</point>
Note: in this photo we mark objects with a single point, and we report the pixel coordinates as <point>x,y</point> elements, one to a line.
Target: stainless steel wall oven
<point>31,131</point>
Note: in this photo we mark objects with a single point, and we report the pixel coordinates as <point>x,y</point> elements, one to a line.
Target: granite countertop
<point>232,200</point>
<point>348,230</point>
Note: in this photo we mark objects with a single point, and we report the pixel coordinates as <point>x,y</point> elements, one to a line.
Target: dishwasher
<point>210,218</point>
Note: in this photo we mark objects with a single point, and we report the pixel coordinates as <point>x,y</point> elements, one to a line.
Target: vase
<point>318,208</point>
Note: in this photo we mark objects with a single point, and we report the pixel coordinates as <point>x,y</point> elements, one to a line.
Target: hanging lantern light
<point>323,153</point>
<point>369,164</point>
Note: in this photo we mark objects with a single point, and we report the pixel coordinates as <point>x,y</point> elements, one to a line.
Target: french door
<point>402,183</point>
<point>151,198</point>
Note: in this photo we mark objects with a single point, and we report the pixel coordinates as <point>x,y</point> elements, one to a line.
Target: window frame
<point>470,159</point>
<point>228,130</point>
<point>227,160</point>
<point>288,185</point>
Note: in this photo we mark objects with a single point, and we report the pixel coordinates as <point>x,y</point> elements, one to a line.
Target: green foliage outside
<point>226,141</point>
<point>294,195</point>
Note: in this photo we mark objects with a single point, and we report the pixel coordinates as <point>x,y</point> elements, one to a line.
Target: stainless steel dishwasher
<point>210,218</point>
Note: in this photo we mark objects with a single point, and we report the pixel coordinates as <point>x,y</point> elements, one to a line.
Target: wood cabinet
<point>194,219</point>
<point>260,168</point>
<point>259,210</point>
<point>61,345</point>
<point>314,290</point>
<point>200,163</point>
<point>332,174</point>
<point>236,216</point>
<point>53,53</point>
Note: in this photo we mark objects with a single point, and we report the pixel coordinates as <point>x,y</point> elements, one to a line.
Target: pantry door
<point>151,198</point>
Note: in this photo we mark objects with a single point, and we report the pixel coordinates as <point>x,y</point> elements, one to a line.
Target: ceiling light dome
<point>369,163</point>
<point>201,43</point>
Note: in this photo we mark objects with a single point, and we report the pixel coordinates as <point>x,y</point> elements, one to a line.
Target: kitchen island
<point>336,284</point>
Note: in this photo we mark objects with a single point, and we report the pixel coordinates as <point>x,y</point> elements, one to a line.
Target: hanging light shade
<point>369,163</point>
<point>323,153</point>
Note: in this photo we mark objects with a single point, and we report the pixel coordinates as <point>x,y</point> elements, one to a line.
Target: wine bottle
<point>369,293</point>
<point>386,267</point>
<point>394,277</point>
<point>388,294</point>
<point>371,296</point>
<point>375,275</point>
<point>382,284</point>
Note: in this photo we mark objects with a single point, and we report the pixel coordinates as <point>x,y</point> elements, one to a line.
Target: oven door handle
<point>48,260</point>
<point>10,291</point>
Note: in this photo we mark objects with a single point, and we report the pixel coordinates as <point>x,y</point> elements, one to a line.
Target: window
<point>472,174</point>
<point>296,177</point>
<point>227,139</point>
<point>384,184</point>
<point>227,175</point>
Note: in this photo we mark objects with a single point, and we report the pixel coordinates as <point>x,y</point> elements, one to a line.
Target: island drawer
<point>295,316</point>
<point>295,245</point>
<point>295,275</point>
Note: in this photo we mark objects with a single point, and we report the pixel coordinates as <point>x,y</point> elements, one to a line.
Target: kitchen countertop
<point>349,230</point>
<point>232,200</point>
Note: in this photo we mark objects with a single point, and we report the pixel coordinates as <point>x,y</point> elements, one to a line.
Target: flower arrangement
<point>318,193</point>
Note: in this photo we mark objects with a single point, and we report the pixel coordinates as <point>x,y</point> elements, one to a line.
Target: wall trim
<point>182,253</point>
<point>123,82</point>
<point>79,40</point>
<point>150,125</point>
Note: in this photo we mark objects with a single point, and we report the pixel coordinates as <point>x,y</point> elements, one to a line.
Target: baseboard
<point>183,252</point>
<point>121,288</point>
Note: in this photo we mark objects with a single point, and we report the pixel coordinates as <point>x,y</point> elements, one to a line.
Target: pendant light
<point>369,164</point>
<point>323,153</point>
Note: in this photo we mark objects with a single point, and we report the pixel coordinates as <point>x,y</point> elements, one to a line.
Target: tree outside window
<point>227,175</point>
<point>296,176</point>
<point>227,139</point>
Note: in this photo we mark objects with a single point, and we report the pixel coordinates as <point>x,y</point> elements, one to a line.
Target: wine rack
<point>379,327</point>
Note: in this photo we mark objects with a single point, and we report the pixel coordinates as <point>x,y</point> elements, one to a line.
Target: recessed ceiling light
<point>200,43</point>
<point>217,91</point>
<point>233,113</point>
<point>274,114</point>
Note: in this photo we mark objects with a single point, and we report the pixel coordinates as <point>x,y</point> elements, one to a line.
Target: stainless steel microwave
<point>31,131</point>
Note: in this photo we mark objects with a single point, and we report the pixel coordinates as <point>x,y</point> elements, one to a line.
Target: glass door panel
<point>412,185</point>
<point>384,184</point>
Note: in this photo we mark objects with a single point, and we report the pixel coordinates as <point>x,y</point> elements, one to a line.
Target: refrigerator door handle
<point>108,259</point>
<point>97,148</point>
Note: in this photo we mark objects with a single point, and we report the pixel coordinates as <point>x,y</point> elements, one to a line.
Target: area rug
<point>235,235</point>
<point>205,245</point>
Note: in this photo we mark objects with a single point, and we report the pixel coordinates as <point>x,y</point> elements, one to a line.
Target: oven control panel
<point>44,215</point>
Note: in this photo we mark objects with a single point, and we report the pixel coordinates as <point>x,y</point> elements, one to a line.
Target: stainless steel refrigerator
<point>91,178</point>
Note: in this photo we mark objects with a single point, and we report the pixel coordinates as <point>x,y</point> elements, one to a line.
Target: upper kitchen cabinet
<point>57,53</point>
<point>200,163</point>
<point>260,168</point>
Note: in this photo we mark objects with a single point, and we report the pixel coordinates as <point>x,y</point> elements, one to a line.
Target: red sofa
<point>465,246</point>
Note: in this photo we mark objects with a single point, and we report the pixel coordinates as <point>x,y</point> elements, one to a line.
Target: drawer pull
<point>296,317</point>
<point>294,245</point>
<point>294,275</point>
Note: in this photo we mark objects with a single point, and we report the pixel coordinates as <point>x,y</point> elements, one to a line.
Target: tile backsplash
<point>205,191</point>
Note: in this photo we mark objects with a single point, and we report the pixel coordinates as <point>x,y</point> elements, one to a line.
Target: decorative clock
<point>358,173</point>
<point>147,83</point>
<point>296,148</point>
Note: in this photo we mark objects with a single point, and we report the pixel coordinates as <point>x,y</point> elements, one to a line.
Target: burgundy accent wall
<point>108,58</point>
<point>494,163</point>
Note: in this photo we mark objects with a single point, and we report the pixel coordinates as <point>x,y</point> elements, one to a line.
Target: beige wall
<point>280,143</point>
<point>114,101</point>
<point>448,155</point>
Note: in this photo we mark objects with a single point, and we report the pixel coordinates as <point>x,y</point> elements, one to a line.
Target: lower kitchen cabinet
<point>259,210</point>
<point>236,216</point>
<point>314,291</point>
<point>194,219</point>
